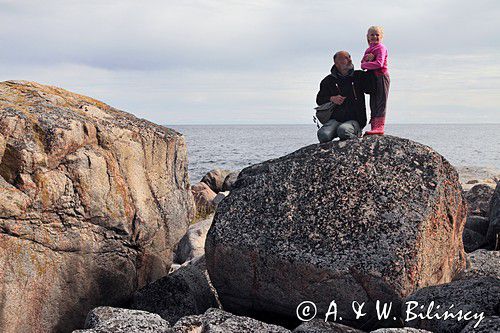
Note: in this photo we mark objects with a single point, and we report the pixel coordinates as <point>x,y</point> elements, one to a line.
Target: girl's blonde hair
<point>375,28</point>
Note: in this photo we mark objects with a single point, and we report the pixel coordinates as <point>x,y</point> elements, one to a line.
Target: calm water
<point>234,147</point>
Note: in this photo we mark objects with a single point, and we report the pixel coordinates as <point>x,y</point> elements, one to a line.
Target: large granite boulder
<point>92,202</point>
<point>106,319</point>
<point>364,220</point>
<point>468,300</point>
<point>185,292</point>
<point>219,321</point>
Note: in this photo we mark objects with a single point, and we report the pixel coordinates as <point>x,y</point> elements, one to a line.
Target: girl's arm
<point>380,55</point>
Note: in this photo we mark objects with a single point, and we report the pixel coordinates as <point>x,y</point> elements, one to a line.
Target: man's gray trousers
<point>332,129</point>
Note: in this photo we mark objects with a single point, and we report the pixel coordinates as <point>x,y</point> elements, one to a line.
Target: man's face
<point>343,61</point>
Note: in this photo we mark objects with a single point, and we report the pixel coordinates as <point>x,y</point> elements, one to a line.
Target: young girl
<point>375,59</point>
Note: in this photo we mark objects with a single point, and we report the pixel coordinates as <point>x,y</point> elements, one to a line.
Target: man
<point>345,88</point>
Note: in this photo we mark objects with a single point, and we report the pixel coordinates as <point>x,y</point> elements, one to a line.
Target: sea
<point>235,147</point>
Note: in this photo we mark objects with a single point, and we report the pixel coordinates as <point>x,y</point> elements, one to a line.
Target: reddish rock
<point>365,220</point>
<point>92,202</point>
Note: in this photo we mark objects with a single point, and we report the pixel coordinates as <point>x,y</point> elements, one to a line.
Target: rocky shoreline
<point>101,231</point>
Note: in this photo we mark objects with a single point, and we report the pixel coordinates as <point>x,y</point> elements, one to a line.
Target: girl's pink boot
<point>377,126</point>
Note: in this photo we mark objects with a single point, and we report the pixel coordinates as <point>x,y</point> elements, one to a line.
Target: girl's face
<point>374,37</point>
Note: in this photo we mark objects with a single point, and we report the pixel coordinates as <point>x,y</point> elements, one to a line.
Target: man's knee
<point>324,135</point>
<point>347,131</point>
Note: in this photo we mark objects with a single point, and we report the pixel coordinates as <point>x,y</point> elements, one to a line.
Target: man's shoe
<point>377,126</point>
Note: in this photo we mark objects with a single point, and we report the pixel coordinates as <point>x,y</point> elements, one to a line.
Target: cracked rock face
<point>92,201</point>
<point>359,220</point>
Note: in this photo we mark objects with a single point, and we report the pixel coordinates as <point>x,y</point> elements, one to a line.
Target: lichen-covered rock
<point>106,319</point>
<point>218,321</point>
<point>192,244</point>
<point>320,326</point>
<point>215,179</point>
<point>481,263</point>
<point>473,296</point>
<point>488,325</point>
<point>493,235</point>
<point>185,292</point>
<point>365,220</point>
<point>92,202</point>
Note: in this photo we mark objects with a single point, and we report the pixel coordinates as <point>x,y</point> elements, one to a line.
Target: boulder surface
<point>358,220</point>
<point>92,202</point>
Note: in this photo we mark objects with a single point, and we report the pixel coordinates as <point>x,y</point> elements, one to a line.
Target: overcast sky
<point>255,62</point>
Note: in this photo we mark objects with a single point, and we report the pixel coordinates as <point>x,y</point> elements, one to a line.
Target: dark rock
<point>493,235</point>
<point>219,197</point>
<point>185,292</point>
<point>320,326</point>
<point>473,240</point>
<point>487,325</point>
<point>106,319</point>
<point>230,180</point>
<point>215,179</point>
<point>481,263</point>
<point>480,295</point>
<point>218,321</point>
<point>370,219</point>
<point>478,224</point>
<point>192,245</point>
<point>478,200</point>
<point>400,330</point>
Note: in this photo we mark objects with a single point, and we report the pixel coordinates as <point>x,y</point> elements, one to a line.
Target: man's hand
<point>368,57</point>
<point>338,99</point>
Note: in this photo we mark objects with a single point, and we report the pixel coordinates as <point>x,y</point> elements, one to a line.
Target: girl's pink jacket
<point>379,63</point>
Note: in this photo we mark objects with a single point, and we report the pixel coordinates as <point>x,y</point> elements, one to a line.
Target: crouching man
<point>345,88</point>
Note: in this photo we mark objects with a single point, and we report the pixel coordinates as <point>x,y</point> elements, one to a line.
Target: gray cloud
<point>258,62</point>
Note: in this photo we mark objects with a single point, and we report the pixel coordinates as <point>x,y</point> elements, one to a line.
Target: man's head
<point>343,62</point>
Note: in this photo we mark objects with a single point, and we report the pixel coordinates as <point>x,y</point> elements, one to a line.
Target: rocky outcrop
<point>230,180</point>
<point>478,199</point>
<point>115,320</point>
<point>471,176</point>
<point>400,330</point>
<point>320,326</point>
<point>365,220</point>
<point>488,325</point>
<point>472,240</point>
<point>493,235</point>
<point>215,179</point>
<point>481,263</point>
<point>192,244</point>
<point>92,201</point>
<point>472,296</point>
<point>204,200</point>
<point>218,321</point>
<point>185,292</point>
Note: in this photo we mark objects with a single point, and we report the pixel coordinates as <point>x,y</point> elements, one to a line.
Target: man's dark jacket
<point>353,86</point>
